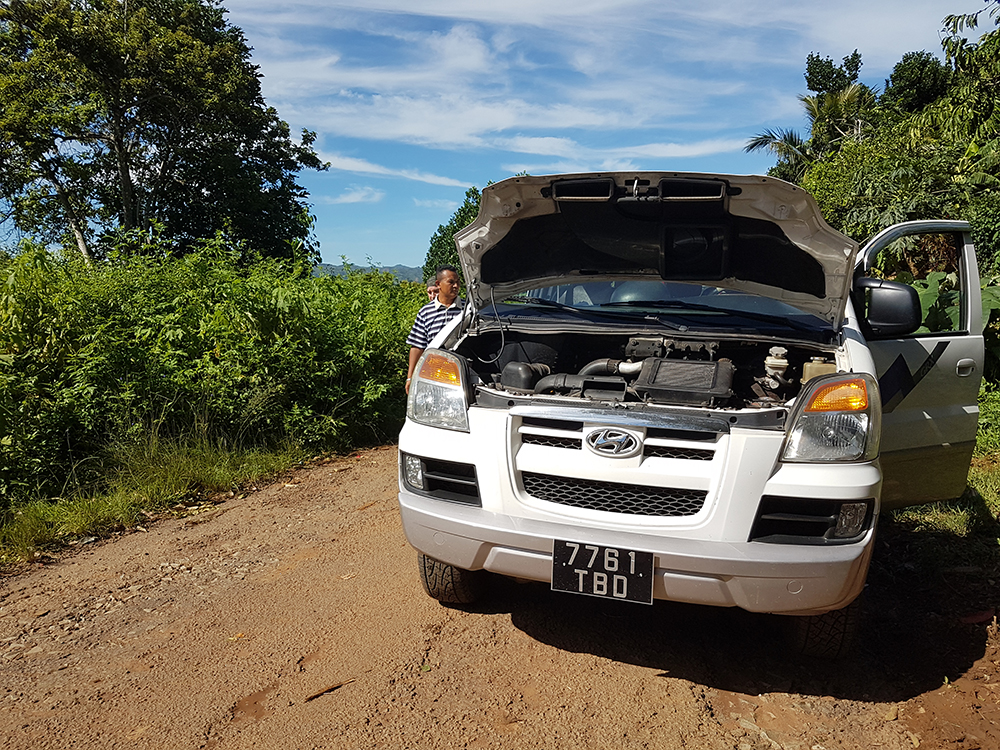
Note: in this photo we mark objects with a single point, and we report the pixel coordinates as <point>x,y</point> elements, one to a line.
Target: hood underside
<point>753,234</point>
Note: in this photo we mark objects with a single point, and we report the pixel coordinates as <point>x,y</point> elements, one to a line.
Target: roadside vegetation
<point>129,386</point>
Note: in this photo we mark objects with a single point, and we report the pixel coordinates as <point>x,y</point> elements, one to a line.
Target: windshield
<point>698,304</point>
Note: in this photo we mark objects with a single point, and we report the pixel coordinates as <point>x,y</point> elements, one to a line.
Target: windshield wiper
<point>586,312</point>
<point>656,303</point>
<point>675,304</point>
<point>542,301</point>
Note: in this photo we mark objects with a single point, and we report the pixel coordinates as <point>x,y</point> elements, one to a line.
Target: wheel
<point>448,584</point>
<point>829,635</point>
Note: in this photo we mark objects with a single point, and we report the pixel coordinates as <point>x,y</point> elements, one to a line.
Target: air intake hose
<point>561,383</point>
<point>610,366</point>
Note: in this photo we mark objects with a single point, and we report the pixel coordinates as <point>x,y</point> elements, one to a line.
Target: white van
<point>688,387</point>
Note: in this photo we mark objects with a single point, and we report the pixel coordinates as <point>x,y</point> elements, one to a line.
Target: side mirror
<point>891,309</point>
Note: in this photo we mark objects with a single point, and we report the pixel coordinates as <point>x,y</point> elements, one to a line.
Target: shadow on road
<point>925,621</point>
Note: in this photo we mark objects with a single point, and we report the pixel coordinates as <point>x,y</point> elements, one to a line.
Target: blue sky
<point>413,101</point>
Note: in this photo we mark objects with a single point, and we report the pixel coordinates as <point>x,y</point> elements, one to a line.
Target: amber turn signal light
<point>438,369</point>
<point>846,395</point>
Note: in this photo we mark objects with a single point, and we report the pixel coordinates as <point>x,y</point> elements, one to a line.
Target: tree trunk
<point>128,213</point>
<point>71,215</point>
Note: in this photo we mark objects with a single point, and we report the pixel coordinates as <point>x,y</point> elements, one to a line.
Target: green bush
<point>93,357</point>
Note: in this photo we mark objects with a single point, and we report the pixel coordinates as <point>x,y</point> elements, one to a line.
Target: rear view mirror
<point>891,309</point>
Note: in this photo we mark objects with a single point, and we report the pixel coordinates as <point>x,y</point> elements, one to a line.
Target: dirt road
<point>293,618</point>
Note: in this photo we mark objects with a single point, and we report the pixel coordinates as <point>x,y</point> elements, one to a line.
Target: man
<point>434,316</point>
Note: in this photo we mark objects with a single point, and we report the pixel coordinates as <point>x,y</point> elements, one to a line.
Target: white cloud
<point>470,81</point>
<point>678,150</point>
<point>454,121</point>
<point>578,158</point>
<point>363,166</point>
<point>549,145</point>
<point>515,12</point>
<point>356,195</point>
<point>444,205</point>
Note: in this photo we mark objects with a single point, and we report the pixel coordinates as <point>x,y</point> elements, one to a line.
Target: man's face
<point>447,287</point>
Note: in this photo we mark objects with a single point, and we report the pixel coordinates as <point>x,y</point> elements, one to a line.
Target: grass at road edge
<point>139,482</point>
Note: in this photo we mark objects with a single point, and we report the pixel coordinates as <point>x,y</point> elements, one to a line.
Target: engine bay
<point>652,369</point>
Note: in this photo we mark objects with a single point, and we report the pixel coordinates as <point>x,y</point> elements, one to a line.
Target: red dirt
<point>293,618</point>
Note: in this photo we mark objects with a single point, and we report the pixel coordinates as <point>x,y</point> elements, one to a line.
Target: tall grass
<point>140,480</point>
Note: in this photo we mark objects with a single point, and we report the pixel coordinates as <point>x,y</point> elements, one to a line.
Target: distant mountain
<point>403,273</point>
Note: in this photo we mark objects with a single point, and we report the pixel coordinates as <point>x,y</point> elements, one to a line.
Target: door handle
<point>965,367</point>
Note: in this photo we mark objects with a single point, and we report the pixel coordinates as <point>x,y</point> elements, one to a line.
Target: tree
<point>823,77</point>
<point>442,250</point>
<point>118,116</point>
<point>884,179</point>
<point>929,147</point>
<point>794,152</point>
<point>918,79</point>
<point>837,116</point>
<point>969,113</point>
<point>834,116</point>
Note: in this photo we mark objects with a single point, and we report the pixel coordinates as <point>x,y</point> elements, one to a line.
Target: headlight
<point>837,418</point>
<point>437,392</point>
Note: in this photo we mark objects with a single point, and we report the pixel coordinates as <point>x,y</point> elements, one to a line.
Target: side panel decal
<point>897,381</point>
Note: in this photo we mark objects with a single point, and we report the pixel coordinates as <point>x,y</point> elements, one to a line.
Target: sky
<point>415,101</point>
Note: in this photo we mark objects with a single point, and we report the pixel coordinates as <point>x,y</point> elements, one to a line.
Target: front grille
<point>671,434</point>
<point>686,454</point>
<point>613,497</point>
<point>552,424</point>
<point>551,441</point>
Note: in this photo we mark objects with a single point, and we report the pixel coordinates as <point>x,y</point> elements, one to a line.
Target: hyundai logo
<point>607,441</point>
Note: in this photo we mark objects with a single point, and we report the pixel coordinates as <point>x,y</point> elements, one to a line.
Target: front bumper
<point>758,577</point>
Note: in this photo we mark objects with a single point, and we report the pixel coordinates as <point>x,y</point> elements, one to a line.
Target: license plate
<point>605,572</point>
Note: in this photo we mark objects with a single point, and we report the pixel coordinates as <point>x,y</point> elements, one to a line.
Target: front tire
<point>830,635</point>
<point>448,584</point>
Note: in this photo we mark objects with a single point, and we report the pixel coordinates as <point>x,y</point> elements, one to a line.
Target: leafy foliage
<point>116,117</point>
<point>918,79</point>
<point>199,346</point>
<point>839,112</point>
<point>886,178</point>
<point>969,113</point>
<point>824,76</point>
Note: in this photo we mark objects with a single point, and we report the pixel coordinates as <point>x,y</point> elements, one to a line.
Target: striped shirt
<point>430,320</point>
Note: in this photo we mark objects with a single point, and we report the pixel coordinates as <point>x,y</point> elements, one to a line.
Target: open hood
<point>753,234</point>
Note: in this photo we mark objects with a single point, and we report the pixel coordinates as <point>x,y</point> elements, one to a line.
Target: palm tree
<point>838,115</point>
<point>833,117</point>
<point>794,153</point>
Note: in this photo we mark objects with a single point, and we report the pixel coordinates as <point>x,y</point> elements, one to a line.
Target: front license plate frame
<point>618,573</point>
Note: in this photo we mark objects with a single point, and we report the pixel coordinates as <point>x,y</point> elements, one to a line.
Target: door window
<point>931,264</point>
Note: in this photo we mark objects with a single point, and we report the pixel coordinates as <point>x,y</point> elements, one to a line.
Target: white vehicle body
<point>509,455</point>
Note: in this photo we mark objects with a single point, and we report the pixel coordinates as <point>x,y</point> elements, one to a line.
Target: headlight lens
<point>838,418</point>
<point>437,392</point>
